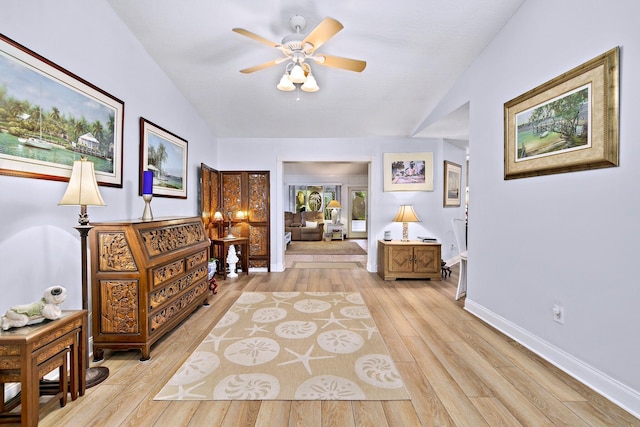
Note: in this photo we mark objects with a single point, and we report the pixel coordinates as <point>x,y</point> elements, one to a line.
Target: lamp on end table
<point>334,205</point>
<point>83,191</point>
<point>405,215</point>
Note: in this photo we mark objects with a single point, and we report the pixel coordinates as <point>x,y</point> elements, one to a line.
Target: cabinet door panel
<point>426,259</point>
<point>400,259</point>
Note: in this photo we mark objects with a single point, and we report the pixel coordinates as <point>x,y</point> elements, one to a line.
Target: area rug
<point>290,346</point>
<point>324,248</point>
<point>329,265</point>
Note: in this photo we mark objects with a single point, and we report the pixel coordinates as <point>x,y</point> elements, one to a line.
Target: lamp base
<point>147,215</point>
<point>96,375</point>
<point>405,231</point>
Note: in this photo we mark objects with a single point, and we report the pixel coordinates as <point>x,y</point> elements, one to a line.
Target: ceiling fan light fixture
<point>310,85</point>
<point>297,74</point>
<point>285,84</point>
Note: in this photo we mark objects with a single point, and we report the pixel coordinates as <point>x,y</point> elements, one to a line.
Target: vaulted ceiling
<point>414,49</point>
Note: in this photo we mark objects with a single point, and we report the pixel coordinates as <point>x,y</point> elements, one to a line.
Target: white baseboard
<point>453,261</point>
<point>610,388</point>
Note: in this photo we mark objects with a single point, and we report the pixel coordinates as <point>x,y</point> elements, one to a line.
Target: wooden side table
<point>222,246</point>
<point>28,353</point>
<point>336,230</point>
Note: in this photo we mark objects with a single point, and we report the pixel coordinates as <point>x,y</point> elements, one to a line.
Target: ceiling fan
<point>298,48</point>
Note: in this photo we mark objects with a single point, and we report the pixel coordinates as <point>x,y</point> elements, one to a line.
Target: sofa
<point>306,225</point>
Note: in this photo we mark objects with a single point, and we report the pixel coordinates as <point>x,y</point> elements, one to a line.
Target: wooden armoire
<point>233,191</point>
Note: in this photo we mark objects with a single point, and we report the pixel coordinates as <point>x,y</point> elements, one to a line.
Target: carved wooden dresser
<point>146,277</point>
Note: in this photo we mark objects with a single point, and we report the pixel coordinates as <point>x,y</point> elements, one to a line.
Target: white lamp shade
<point>406,214</point>
<point>310,85</point>
<point>83,188</point>
<point>285,84</point>
<point>297,74</point>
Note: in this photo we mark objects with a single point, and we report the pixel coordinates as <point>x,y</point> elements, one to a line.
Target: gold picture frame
<point>567,124</point>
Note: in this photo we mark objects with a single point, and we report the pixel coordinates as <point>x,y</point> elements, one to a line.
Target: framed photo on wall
<point>452,184</point>
<point>408,171</point>
<point>166,155</point>
<point>567,124</point>
<point>50,117</point>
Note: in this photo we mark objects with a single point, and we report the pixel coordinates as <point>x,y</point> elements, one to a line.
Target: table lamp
<point>334,205</point>
<point>83,191</point>
<point>405,215</point>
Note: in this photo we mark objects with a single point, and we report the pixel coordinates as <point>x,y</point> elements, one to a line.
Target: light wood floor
<point>459,371</point>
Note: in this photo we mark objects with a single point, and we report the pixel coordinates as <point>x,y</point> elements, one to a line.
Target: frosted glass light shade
<point>285,84</point>
<point>310,85</point>
<point>297,74</point>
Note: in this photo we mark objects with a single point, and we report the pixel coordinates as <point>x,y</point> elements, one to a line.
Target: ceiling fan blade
<point>262,66</point>
<point>338,62</point>
<point>256,37</point>
<point>326,29</point>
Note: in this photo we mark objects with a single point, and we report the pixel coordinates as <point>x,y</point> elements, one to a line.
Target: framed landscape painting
<point>452,184</point>
<point>166,155</point>
<point>408,171</point>
<point>50,117</point>
<point>567,124</point>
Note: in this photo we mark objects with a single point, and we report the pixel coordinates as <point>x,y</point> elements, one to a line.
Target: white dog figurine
<point>27,314</point>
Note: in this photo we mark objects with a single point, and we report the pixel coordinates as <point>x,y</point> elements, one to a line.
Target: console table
<point>222,251</point>
<point>409,260</point>
<point>30,352</point>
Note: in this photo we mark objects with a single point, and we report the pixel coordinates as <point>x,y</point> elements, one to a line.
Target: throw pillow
<point>312,224</point>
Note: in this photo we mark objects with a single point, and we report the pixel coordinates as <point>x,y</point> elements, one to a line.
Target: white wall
<point>565,239</point>
<point>38,245</point>
<point>269,154</point>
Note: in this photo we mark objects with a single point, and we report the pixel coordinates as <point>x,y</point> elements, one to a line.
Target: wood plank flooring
<point>458,370</point>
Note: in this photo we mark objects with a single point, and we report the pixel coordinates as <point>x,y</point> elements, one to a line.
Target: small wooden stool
<point>59,361</point>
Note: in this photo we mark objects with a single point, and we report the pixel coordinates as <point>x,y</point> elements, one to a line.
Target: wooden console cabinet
<point>146,277</point>
<point>409,260</point>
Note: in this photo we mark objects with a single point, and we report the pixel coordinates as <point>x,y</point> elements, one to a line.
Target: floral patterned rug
<point>290,346</point>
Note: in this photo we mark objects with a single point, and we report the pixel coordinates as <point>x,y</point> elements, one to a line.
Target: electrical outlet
<point>558,313</point>
<point>453,246</point>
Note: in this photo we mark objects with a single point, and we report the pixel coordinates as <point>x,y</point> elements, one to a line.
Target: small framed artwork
<point>452,184</point>
<point>165,154</point>
<point>408,171</point>
<point>567,124</point>
<point>50,117</point>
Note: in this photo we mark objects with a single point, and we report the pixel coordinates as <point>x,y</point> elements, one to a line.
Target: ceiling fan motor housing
<point>298,23</point>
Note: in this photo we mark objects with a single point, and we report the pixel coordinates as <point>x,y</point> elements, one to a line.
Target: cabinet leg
<point>145,354</point>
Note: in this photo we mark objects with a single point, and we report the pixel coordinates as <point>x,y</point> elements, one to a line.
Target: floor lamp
<point>83,191</point>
